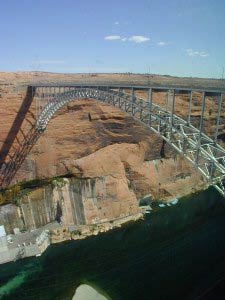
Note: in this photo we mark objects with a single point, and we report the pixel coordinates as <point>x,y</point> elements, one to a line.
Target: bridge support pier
<point>172,112</point>
<point>200,127</point>
<point>167,101</point>
<point>150,106</point>
<point>189,109</point>
<point>133,101</point>
<point>220,101</point>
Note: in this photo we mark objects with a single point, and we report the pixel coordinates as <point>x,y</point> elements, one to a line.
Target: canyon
<point>94,163</point>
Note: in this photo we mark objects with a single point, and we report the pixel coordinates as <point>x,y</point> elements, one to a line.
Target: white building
<point>4,253</point>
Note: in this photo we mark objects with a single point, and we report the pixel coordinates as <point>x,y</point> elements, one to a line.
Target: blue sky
<point>176,37</point>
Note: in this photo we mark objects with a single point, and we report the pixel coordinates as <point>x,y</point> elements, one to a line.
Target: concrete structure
<point>3,242</point>
<point>193,143</point>
<point>22,245</point>
<point>2,231</point>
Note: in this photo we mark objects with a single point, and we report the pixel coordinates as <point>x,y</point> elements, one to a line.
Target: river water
<point>177,252</point>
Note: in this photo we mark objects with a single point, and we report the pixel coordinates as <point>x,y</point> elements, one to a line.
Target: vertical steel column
<point>113,97</point>
<point>35,107</point>
<point>172,113</point>
<point>133,101</point>
<point>108,96</point>
<point>141,103</point>
<point>167,101</point>
<point>202,114</point>
<point>42,100</point>
<point>47,91</point>
<point>45,96</point>
<point>218,116</point>
<point>120,89</point>
<point>189,109</point>
<point>37,102</point>
<point>53,94</point>
<point>150,105</point>
<point>200,126</point>
<point>32,95</point>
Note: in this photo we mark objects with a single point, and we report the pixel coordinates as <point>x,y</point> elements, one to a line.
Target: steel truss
<point>203,152</point>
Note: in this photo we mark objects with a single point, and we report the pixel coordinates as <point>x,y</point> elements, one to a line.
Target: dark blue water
<point>178,252</point>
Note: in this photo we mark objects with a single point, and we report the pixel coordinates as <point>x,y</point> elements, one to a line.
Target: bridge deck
<point>211,91</point>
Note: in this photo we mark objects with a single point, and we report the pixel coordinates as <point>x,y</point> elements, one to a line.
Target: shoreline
<point>35,242</point>
<point>58,233</point>
<point>78,265</point>
<point>79,232</point>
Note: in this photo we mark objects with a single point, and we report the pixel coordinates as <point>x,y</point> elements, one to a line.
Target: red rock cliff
<point>117,160</point>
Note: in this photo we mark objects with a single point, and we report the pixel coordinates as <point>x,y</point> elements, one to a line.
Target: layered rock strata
<point>109,160</point>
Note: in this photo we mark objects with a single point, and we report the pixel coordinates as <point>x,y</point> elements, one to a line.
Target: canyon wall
<point>110,161</point>
<point>103,186</point>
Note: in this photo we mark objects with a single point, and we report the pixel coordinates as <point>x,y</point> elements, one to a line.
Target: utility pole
<point>222,73</point>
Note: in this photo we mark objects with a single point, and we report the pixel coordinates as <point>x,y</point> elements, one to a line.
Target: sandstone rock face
<point>104,186</point>
<point>72,134</point>
<point>110,160</point>
<point>10,217</point>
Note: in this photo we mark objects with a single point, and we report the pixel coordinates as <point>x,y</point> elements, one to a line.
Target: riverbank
<point>79,232</point>
<point>35,242</point>
<point>140,260</point>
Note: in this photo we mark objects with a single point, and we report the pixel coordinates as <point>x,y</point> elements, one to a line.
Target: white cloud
<point>162,43</point>
<point>117,23</point>
<point>204,54</point>
<point>191,52</point>
<point>112,37</point>
<point>133,38</point>
<point>138,39</point>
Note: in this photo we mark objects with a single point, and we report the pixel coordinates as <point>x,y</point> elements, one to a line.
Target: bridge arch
<point>118,99</point>
<point>200,150</point>
<point>187,140</point>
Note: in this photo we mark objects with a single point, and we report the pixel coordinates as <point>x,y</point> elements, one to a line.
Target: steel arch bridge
<point>193,143</point>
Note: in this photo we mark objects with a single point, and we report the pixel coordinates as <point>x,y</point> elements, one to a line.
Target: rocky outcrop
<point>110,161</point>
<point>103,186</point>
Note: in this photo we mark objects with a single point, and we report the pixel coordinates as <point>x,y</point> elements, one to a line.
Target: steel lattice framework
<point>203,152</point>
<point>197,147</point>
